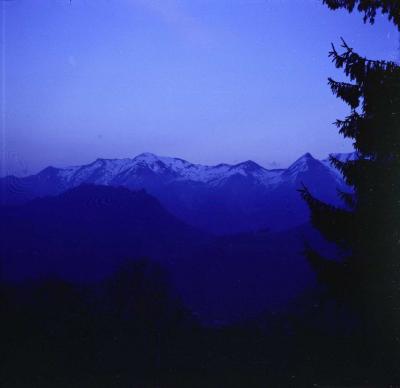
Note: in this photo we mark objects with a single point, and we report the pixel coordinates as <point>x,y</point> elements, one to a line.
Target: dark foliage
<point>369,8</point>
<point>368,230</point>
<point>128,327</point>
<point>61,334</point>
<point>131,330</point>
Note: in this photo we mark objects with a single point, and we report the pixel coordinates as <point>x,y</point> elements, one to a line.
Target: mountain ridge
<point>220,199</point>
<point>151,157</point>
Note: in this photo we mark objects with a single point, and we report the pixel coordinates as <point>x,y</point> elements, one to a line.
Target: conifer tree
<point>367,227</point>
<point>369,8</point>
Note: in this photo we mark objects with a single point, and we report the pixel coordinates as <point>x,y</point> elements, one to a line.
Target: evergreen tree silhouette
<point>369,8</point>
<point>367,228</point>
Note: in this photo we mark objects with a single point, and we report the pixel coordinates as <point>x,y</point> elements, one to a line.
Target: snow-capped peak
<point>168,169</point>
<point>249,166</point>
<point>302,164</point>
<point>153,160</point>
<point>147,156</point>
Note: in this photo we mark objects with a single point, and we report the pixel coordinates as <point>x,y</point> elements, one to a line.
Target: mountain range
<point>230,236</point>
<point>221,199</point>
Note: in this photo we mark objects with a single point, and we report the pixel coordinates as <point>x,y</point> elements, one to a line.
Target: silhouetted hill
<point>84,234</point>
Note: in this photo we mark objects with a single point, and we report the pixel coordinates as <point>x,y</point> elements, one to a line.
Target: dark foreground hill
<point>84,234</point>
<point>81,307</point>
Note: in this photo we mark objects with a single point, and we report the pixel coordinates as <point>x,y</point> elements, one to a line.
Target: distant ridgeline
<point>82,223</point>
<point>220,199</point>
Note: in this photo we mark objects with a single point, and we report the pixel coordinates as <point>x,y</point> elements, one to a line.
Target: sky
<point>210,81</point>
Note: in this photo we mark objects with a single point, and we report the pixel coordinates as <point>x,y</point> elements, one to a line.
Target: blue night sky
<point>209,81</point>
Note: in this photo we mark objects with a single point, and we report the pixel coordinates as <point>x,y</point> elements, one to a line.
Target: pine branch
<point>353,172</point>
<point>369,8</point>
<point>338,164</point>
<point>363,174</point>
<point>359,68</point>
<point>334,223</point>
<point>348,92</point>
<point>336,4</point>
<point>350,126</point>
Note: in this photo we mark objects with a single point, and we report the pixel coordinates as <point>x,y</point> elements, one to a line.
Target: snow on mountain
<point>302,165</point>
<point>110,171</point>
<point>223,198</point>
<point>119,171</point>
